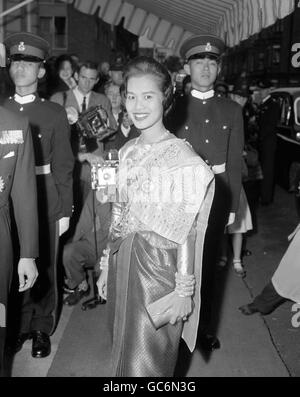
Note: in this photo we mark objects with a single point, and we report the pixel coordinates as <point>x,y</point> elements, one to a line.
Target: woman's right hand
<point>181,309</point>
<point>102,284</point>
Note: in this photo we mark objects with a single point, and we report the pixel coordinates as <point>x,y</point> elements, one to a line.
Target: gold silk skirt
<point>139,274</point>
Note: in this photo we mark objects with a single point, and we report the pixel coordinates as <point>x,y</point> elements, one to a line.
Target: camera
<point>93,123</point>
<point>104,177</point>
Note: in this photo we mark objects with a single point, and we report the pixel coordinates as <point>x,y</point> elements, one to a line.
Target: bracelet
<point>185,284</point>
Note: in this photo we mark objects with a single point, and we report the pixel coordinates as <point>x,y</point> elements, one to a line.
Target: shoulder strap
<point>64,94</point>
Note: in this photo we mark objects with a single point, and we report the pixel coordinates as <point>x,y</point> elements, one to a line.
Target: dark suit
<point>117,140</point>
<point>214,127</point>
<point>18,182</point>
<point>268,119</point>
<point>54,167</point>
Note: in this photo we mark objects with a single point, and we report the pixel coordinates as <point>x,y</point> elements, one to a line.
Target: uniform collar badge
<point>21,46</point>
<point>24,99</point>
<point>202,95</point>
<point>2,186</point>
<point>208,47</point>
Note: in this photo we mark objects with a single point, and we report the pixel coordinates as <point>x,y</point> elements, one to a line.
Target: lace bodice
<point>154,194</point>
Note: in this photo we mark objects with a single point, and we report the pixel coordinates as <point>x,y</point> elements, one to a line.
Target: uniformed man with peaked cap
<point>27,46</point>
<point>214,127</point>
<point>18,185</point>
<point>53,167</point>
<point>200,46</point>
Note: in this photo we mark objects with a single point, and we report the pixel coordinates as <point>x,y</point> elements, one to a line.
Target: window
<point>297,110</point>
<point>60,32</point>
<point>251,62</point>
<point>276,54</point>
<point>45,24</point>
<point>54,29</point>
<point>285,111</point>
<point>261,61</point>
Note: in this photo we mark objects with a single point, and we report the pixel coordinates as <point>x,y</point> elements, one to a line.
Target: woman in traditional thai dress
<point>151,270</point>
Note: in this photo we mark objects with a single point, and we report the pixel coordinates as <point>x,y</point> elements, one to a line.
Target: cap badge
<point>21,46</point>
<point>208,47</point>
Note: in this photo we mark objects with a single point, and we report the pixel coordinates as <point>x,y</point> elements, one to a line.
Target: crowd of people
<point>186,170</point>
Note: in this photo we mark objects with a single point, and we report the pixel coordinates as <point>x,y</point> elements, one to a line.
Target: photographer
<point>77,101</point>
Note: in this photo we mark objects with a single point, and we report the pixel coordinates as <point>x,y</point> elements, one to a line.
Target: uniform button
<point>207,121</point>
<point>206,141</point>
<point>40,135</point>
<point>204,102</point>
<point>224,127</point>
<point>186,127</point>
<point>21,109</point>
<point>43,100</point>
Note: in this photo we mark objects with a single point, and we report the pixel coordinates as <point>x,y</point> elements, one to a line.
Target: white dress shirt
<point>79,98</point>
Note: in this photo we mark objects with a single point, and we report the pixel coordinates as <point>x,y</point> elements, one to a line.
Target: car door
<point>284,127</point>
<point>288,147</point>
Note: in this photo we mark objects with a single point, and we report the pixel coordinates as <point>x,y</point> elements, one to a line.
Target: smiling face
<point>65,71</point>
<point>144,102</point>
<point>203,72</point>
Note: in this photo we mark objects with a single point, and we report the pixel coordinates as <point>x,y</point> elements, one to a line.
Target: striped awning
<point>170,22</point>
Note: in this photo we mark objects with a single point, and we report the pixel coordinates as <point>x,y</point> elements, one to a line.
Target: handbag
<point>160,311</point>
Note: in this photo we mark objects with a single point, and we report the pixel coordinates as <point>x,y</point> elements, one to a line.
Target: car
<point>287,168</point>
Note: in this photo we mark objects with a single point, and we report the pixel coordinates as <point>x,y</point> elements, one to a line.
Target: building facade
<point>271,56</point>
<point>67,30</point>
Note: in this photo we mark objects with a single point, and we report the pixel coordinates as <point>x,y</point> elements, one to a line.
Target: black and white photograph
<point>149,192</point>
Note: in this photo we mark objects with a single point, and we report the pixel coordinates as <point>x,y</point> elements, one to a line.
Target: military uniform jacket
<point>51,140</point>
<point>17,179</point>
<point>214,127</point>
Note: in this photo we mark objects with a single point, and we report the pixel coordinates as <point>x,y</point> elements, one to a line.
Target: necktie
<point>83,106</point>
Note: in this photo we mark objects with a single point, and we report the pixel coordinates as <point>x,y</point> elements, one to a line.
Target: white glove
<point>63,225</point>
<point>27,272</point>
<point>231,218</point>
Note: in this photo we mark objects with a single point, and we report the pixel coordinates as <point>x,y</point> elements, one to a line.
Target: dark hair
<point>148,66</point>
<point>62,58</point>
<point>186,80</point>
<point>109,84</point>
<point>89,65</point>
